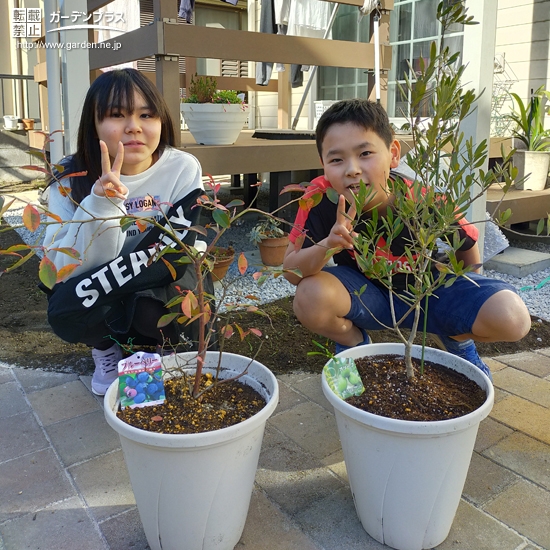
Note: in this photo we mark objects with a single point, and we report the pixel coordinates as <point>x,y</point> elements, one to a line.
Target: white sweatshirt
<point>172,177</point>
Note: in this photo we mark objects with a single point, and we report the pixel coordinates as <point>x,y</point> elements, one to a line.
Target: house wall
<point>523,37</point>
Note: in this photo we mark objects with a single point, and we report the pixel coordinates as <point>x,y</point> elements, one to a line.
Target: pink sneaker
<point>106,368</point>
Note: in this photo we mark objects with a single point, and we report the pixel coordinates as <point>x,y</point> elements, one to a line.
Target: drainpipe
<point>53,68</point>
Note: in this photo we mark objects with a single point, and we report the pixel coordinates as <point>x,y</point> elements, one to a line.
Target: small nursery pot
<point>407,477</point>
<point>193,490</point>
<point>272,251</point>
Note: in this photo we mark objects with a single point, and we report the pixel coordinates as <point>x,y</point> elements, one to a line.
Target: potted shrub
<point>213,117</point>
<point>223,258</point>
<point>406,475</point>
<point>271,240</point>
<point>191,487</point>
<point>532,159</point>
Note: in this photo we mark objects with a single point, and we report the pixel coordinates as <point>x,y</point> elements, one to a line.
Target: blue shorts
<point>451,311</point>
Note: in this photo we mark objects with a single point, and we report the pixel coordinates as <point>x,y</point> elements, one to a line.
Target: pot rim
<point>436,427</point>
<point>203,439</point>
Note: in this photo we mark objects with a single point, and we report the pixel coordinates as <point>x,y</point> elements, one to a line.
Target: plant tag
<point>140,380</point>
<point>343,378</point>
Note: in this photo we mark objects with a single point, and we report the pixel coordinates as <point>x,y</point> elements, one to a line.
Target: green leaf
<point>221,218</point>
<point>234,203</point>
<point>167,319</point>
<point>47,272</point>
<point>332,195</point>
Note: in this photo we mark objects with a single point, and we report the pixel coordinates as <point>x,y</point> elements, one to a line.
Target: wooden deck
<point>526,205</point>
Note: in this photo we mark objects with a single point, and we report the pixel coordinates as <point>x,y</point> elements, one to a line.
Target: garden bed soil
<point>27,340</point>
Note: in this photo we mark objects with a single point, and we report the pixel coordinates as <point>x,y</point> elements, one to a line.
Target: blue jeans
<point>451,311</point>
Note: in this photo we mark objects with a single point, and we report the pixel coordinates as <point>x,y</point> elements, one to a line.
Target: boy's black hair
<point>113,90</point>
<point>362,112</point>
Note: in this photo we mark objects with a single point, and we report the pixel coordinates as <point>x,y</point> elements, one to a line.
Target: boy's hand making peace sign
<point>109,184</point>
<point>341,234</point>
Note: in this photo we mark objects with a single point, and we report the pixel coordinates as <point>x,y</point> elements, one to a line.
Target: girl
<point>125,143</point>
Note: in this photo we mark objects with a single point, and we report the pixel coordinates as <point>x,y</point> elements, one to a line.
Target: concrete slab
<point>22,434</point>
<point>105,485</point>
<point>83,437</point>
<point>30,483</point>
<point>522,415</point>
<point>475,530</point>
<point>524,455</point>
<point>489,434</point>
<point>62,402</point>
<point>12,401</point>
<point>518,262</point>
<point>6,375</point>
<point>35,379</point>
<point>63,526</point>
<point>525,385</point>
<point>528,361</point>
<point>524,507</point>
<point>125,531</point>
<point>311,387</point>
<point>486,480</point>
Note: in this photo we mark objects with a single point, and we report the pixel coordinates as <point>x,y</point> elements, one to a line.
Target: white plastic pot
<point>407,477</point>
<point>10,122</point>
<point>534,166</point>
<point>193,490</point>
<point>214,123</point>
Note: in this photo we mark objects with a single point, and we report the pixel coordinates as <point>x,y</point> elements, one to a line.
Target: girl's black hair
<point>112,90</point>
<point>362,112</point>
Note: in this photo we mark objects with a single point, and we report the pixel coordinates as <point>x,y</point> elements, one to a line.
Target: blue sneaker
<point>467,350</point>
<point>366,340</point>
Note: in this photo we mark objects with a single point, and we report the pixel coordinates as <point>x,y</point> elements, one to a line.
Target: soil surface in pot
<point>218,407</point>
<point>438,394</point>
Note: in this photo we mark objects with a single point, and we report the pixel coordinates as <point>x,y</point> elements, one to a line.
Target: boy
<point>355,142</point>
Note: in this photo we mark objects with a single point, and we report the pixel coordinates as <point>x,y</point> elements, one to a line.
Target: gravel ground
<point>534,289</point>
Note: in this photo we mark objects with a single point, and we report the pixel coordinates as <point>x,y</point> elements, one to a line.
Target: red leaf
<point>227,331</point>
<point>64,191</point>
<point>242,264</point>
<point>256,332</point>
<point>36,169</point>
<point>170,268</point>
<point>298,243</point>
<point>141,225</point>
<point>65,272</point>
<point>53,216</point>
<point>31,217</point>
<point>292,187</point>
<point>47,272</point>
<point>257,275</point>
<point>73,175</point>
<point>157,418</point>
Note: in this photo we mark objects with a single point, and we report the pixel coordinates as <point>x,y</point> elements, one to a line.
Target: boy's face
<point>351,154</point>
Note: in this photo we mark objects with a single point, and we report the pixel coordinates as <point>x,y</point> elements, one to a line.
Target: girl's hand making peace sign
<point>109,184</point>
<point>341,234</point>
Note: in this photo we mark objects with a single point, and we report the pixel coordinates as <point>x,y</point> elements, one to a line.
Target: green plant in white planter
<point>214,117</point>
<point>533,158</point>
<point>406,475</point>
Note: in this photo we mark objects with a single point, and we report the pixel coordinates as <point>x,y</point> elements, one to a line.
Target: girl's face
<point>138,131</point>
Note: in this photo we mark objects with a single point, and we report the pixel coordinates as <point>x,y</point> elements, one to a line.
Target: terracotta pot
<point>221,264</point>
<point>28,123</point>
<point>272,251</point>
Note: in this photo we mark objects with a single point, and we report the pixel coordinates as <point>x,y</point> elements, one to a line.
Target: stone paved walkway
<point>64,484</point>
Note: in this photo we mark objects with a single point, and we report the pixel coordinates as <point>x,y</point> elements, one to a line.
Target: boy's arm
<point>470,256</point>
<point>312,259</point>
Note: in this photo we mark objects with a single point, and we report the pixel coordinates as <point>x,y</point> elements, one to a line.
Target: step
<point>518,262</point>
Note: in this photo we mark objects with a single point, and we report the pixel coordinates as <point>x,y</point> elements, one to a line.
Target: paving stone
<point>335,462</point>
<point>524,507</point>
<point>35,379</point>
<point>288,398</point>
<point>333,523</point>
<point>524,384</point>
<point>500,395</point>
<point>312,388</point>
<point>6,375</point>
<point>528,361</point>
<point>490,432</point>
<point>62,402</point>
<point>105,485</point>
<point>494,365</point>
<point>525,416</point>
<point>472,529</point>
<point>83,437</point>
<point>290,476</point>
<point>125,531</point>
<point>63,526</point>
<point>31,482</point>
<point>23,434</point>
<point>12,400</point>
<point>267,528</point>
<point>311,426</point>
<point>524,455</point>
<point>485,480</point>
<point>544,351</point>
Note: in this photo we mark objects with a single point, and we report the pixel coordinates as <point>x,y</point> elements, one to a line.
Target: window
<point>413,27</point>
<point>342,83</point>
